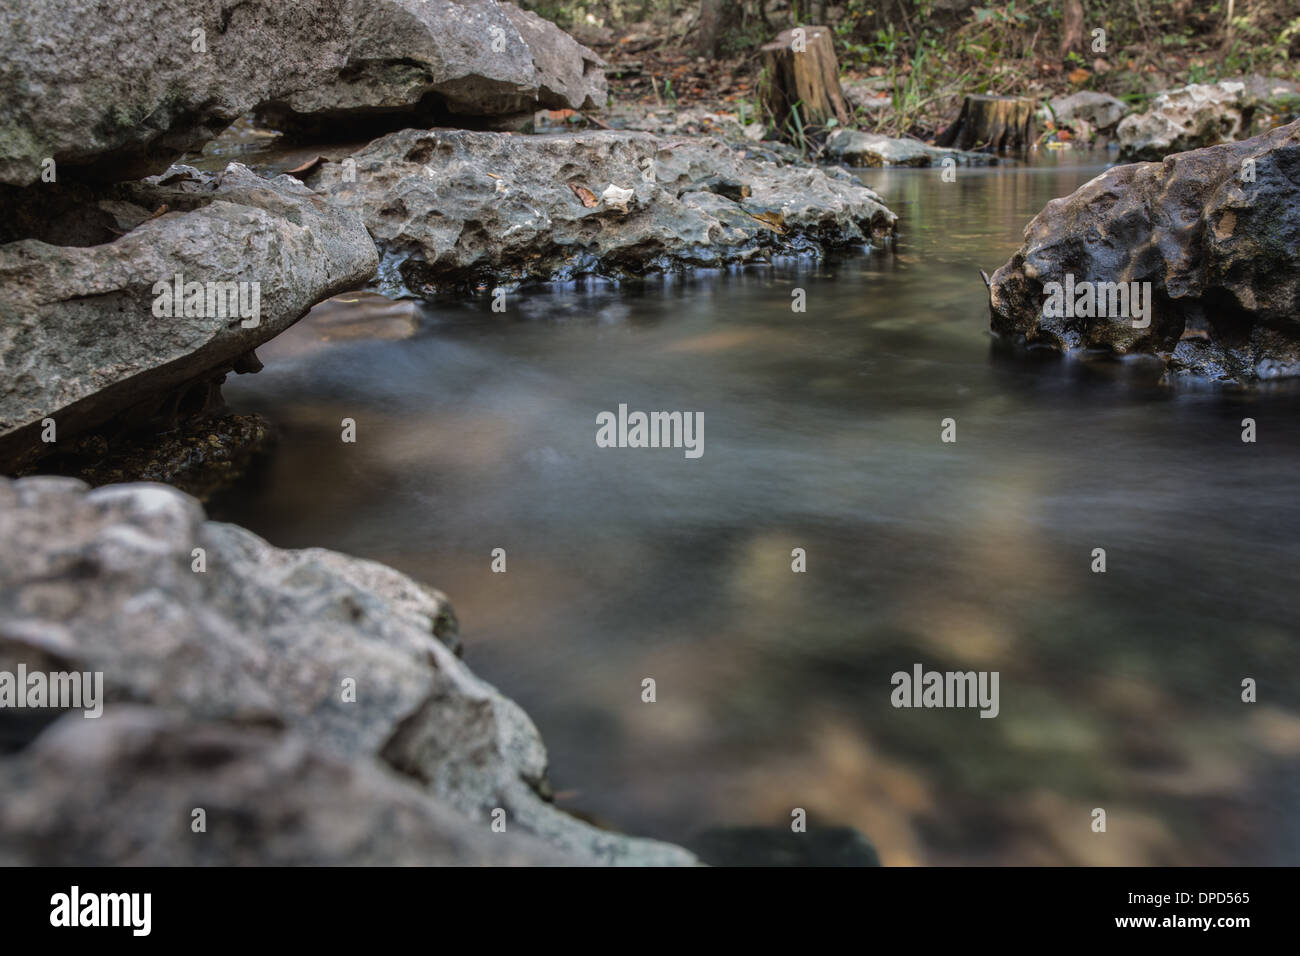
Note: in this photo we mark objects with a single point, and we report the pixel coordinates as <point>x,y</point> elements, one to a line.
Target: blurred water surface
<point>1120,690</point>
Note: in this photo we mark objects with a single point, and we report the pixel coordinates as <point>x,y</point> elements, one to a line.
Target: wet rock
<point>202,456</point>
<point>84,337</point>
<point>454,209</point>
<point>871,149</point>
<point>114,92</point>
<point>1215,234</point>
<point>123,789</point>
<point>348,654</point>
<point>1101,111</point>
<point>1189,117</point>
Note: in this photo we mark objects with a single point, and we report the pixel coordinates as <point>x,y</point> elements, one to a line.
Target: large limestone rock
<point>451,208</point>
<point>1216,234</point>
<point>347,655</point>
<point>125,788</point>
<point>430,61</point>
<point>857,148</point>
<point>118,91</point>
<point>82,334</point>
<point>1189,117</point>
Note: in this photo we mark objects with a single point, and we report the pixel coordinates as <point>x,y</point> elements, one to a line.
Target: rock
<point>103,581</point>
<point>123,790</point>
<point>201,456</point>
<point>458,209</point>
<point>422,62</point>
<point>1099,110</point>
<point>112,94</point>
<point>867,96</point>
<point>1186,118</point>
<point>1220,251</point>
<point>82,335</point>
<point>871,149</point>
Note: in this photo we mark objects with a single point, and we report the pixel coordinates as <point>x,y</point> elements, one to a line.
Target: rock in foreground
<point>1214,232</point>
<point>89,331</point>
<point>456,209</point>
<point>281,669</point>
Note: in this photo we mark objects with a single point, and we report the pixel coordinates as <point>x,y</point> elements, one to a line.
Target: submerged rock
<point>112,92</point>
<point>457,209</point>
<point>1210,239</point>
<point>351,656</point>
<point>871,149</point>
<point>1192,116</point>
<point>93,331</point>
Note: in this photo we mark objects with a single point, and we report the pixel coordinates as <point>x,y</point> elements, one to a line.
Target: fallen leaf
<point>773,220</point>
<point>586,195</point>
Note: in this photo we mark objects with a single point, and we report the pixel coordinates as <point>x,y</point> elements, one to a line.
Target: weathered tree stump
<point>801,76</point>
<point>999,124</point>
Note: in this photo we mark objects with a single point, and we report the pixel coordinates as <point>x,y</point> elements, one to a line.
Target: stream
<point>1118,690</point>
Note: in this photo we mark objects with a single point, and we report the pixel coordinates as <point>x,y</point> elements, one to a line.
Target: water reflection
<point>1118,690</point>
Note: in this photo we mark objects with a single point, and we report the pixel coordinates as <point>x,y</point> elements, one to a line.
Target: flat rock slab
<point>455,209</point>
<point>82,337</point>
<point>119,91</point>
<point>347,655</point>
<point>857,148</point>
<point>1216,235</point>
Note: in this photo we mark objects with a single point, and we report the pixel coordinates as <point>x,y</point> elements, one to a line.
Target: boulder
<point>1101,111</point>
<point>857,148</point>
<point>424,62</point>
<point>1214,235</point>
<point>91,330</point>
<point>1189,117</point>
<point>459,209</point>
<point>115,92</point>
<point>347,654</point>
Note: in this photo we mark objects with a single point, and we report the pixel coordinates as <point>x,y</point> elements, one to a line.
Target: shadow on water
<point>822,431</point>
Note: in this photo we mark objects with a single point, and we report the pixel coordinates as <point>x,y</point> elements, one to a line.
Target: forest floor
<point>917,92</point>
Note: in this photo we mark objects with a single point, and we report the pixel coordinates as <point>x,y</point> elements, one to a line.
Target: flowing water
<point>1118,690</point>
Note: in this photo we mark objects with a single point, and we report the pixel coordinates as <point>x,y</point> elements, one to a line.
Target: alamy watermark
<point>1119,300</point>
<point>923,688</point>
<point>651,430</point>
<point>212,300</point>
<point>58,689</point>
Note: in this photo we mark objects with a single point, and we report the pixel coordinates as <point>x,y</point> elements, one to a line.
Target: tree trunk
<point>802,77</point>
<point>1071,28</point>
<point>717,18</point>
<point>998,124</point>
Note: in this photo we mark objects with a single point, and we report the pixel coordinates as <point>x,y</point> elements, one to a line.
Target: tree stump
<point>802,79</point>
<point>999,124</point>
